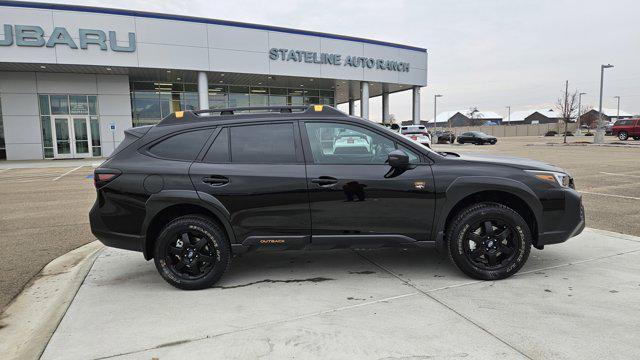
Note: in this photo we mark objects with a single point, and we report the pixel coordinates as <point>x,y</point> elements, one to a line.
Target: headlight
<point>559,178</point>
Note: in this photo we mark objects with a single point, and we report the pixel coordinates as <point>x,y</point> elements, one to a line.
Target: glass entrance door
<point>62,137</point>
<point>81,136</point>
<point>72,137</point>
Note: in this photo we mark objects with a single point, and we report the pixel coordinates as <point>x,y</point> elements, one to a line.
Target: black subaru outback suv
<point>201,186</point>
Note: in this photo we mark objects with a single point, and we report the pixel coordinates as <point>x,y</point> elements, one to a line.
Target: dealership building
<point>73,78</point>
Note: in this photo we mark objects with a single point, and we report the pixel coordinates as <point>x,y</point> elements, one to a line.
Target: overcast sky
<point>483,53</point>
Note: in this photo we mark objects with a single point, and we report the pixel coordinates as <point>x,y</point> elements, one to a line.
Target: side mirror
<point>398,159</point>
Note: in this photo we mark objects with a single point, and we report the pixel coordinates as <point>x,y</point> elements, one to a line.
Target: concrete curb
<point>32,317</point>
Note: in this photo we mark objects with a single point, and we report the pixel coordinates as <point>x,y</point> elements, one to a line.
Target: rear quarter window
<point>182,146</point>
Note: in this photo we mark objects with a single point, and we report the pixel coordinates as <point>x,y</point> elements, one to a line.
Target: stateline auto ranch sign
<point>30,35</point>
<point>313,57</point>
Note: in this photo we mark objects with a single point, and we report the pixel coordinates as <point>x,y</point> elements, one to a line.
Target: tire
<point>636,138</point>
<point>509,255</point>
<point>623,135</point>
<point>182,262</point>
<point>460,142</point>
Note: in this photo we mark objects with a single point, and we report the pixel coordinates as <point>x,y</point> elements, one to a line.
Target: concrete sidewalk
<point>577,300</point>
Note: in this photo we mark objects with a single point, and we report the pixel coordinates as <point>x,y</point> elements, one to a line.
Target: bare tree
<point>474,116</point>
<point>392,119</point>
<point>566,106</point>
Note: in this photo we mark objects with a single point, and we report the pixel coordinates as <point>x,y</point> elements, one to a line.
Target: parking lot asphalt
<point>577,300</point>
<point>44,204</point>
<point>43,214</point>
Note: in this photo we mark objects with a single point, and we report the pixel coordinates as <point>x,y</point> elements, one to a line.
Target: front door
<point>72,137</point>
<point>355,197</point>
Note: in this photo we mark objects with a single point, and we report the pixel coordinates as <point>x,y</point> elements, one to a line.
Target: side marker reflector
<point>317,108</point>
<point>179,114</point>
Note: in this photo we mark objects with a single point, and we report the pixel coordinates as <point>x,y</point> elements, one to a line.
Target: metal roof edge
<point>152,15</point>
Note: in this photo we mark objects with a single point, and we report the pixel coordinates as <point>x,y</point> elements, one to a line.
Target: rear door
<point>257,172</point>
<point>355,198</point>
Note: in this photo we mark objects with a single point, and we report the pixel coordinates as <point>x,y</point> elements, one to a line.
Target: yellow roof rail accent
<point>317,107</point>
<point>179,114</point>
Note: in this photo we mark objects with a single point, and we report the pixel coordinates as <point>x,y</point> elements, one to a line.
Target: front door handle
<point>325,181</point>
<point>215,180</point>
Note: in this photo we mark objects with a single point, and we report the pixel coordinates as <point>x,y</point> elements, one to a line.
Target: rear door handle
<point>325,181</point>
<point>215,180</point>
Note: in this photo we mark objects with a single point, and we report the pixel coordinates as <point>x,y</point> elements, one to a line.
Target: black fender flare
<point>465,186</point>
<point>166,198</point>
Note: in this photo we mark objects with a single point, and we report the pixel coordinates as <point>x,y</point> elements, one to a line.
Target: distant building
<point>590,118</point>
<point>467,118</point>
<point>541,116</point>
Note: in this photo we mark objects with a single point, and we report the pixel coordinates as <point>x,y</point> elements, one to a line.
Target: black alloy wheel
<point>490,243</point>
<point>191,255</point>
<point>192,252</point>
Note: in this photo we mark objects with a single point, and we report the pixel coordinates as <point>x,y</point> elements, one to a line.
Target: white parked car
<point>417,133</point>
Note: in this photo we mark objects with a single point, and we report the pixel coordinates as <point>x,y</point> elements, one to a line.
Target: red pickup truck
<point>627,128</point>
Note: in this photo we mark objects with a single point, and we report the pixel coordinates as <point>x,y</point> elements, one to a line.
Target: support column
<point>352,107</point>
<point>203,90</point>
<point>385,107</point>
<point>364,100</point>
<point>416,105</point>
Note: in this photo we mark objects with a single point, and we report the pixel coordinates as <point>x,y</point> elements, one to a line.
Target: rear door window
<point>183,146</point>
<point>264,143</point>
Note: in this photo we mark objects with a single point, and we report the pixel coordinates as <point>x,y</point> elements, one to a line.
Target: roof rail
<point>231,111</point>
<point>303,110</point>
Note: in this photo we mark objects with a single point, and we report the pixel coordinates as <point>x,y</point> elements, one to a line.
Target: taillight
<point>101,177</point>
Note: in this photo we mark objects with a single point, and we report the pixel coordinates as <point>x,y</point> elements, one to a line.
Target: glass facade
<point>152,101</point>
<point>66,105</point>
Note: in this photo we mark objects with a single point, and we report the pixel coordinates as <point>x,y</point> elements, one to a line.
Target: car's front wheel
<point>622,135</point>
<point>192,252</point>
<point>636,138</point>
<point>489,241</point>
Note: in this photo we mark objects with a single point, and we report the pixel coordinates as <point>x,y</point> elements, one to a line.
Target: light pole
<point>435,112</point>
<point>509,115</point>
<point>599,138</point>
<point>618,113</point>
<point>579,109</point>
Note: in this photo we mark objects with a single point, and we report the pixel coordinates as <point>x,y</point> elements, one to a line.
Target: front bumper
<point>560,225</point>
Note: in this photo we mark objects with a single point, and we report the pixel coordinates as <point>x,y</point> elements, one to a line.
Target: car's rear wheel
<point>192,252</point>
<point>622,135</point>
<point>489,241</point>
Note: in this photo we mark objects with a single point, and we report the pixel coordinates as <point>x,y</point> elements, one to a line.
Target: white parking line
<point>611,195</point>
<point>67,173</point>
<point>614,174</point>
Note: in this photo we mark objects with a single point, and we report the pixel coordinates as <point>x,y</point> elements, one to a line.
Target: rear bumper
<point>111,238</point>
<point>570,223</point>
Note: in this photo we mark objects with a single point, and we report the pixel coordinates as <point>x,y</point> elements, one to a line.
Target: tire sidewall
<point>215,236</point>
<point>489,212</point>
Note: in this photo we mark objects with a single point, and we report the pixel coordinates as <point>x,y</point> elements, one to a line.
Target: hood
<point>520,163</point>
